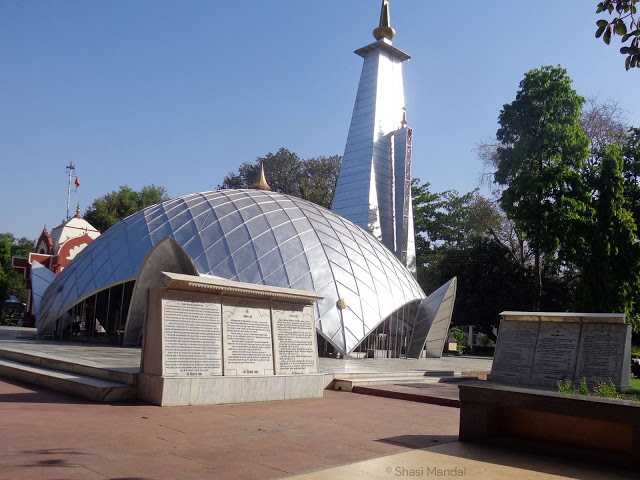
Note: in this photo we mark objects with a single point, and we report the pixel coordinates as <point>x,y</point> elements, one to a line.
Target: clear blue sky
<point>178,93</point>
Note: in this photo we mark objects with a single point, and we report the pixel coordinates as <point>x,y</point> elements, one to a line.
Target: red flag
<point>77,182</point>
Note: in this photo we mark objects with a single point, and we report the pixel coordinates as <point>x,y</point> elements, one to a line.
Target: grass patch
<point>601,389</point>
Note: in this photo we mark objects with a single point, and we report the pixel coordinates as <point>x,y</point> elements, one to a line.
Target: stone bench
<point>585,428</point>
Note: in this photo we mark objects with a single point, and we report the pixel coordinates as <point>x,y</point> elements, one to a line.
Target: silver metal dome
<point>258,237</point>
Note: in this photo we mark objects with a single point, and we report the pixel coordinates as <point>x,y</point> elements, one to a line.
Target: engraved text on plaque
<point>294,339</point>
<point>191,335</point>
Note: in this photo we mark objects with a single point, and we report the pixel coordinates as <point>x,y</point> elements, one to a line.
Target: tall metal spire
<point>385,30</point>
<point>374,186</point>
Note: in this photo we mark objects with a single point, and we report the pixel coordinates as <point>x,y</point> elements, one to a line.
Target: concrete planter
<point>582,427</point>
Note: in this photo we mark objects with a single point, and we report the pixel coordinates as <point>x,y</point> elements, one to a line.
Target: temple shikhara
<point>374,186</point>
<point>52,253</point>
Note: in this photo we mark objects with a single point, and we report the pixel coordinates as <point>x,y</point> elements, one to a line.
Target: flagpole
<point>70,168</point>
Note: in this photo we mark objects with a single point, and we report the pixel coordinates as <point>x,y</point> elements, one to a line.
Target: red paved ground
<point>50,436</point>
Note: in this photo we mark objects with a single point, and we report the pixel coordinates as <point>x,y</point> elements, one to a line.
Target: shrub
<point>458,335</point>
<point>606,389</point>
<point>565,386</point>
<point>584,387</point>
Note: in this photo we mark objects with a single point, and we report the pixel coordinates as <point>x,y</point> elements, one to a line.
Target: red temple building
<point>53,252</point>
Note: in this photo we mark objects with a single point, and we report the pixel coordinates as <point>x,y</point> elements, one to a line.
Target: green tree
<point>542,149</point>
<point>451,219</point>
<point>455,238</point>
<point>623,21</point>
<point>609,256</point>
<point>11,282</point>
<point>313,179</point>
<point>489,282</point>
<point>114,206</point>
<point>318,178</point>
<point>631,172</point>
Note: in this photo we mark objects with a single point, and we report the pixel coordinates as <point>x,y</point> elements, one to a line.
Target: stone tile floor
<point>128,359</point>
<point>464,461</point>
<point>46,435</point>
<point>343,436</point>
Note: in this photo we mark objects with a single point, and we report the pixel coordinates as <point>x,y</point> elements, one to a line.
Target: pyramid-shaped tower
<point>374,186</point>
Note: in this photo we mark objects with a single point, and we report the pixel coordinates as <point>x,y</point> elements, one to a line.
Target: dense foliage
<point>561,230</point>
<point>114,206</point>
<point>11,282</point>
<point>313,179</point>
<point>541,151</point>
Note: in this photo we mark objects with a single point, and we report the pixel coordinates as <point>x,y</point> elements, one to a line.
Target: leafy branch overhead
<point>625,23</point>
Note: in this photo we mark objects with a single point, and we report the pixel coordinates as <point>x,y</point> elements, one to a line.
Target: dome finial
<point>262,184</point>
<point>385,30</point>
<point>78,210</point>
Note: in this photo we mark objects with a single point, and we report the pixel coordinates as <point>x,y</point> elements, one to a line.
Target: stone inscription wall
<point>192,348</point>
<point>542,353</point>
<point>294,339</point>
<point>205,335</point>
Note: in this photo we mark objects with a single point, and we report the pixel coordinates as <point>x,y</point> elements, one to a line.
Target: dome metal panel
<point>252,236</point>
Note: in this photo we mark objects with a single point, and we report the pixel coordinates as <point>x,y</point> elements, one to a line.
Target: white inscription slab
<point>294,339</point>
<point>247,342</point>
<point>191,335</point>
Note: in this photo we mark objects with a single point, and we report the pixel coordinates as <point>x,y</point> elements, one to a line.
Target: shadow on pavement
<point>419,441</point>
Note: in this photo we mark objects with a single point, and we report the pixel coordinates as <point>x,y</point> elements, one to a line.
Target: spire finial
<point>404,117</point>
<point>262,184</point>
<point>78,210</point>
<point>385,30</point>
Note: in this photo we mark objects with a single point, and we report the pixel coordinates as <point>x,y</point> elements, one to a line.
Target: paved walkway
<point>45,435</point>
<point>464,365</point>
<point>343,436</point>
<point>465,461</point>
<point>128,359</point>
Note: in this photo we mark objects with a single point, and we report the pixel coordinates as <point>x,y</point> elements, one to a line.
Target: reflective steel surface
<point>259,237</point>
<point>374,186</point>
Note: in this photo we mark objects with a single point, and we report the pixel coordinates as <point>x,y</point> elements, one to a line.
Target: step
<point>53,362</point>
<point>398,374</point>
<point>348,384</point>
<point>433,398</point>
<point>90,388</point>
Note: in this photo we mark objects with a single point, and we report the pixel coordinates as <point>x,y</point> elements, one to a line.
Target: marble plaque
<point>602,352</point>
<point>191,335</point>
<point>554,349</point>
<point>247,343</point>
<point>294,339</point>
<point>514,352</point>
<point>556,353</point>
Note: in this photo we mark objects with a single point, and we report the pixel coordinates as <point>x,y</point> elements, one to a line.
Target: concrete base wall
<point>573,426</point>
<point>226,389</point>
